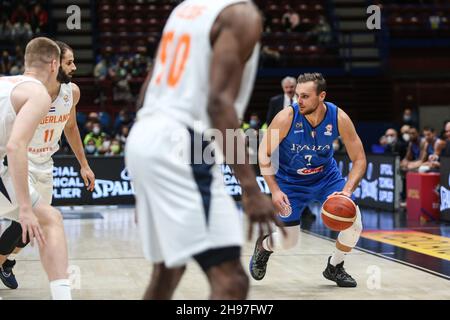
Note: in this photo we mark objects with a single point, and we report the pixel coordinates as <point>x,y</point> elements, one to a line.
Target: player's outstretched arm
<point>31,102</point>
<point>74,139</point>
<point>355,151</point>
<point>231,49</point>
<point>276,132</point>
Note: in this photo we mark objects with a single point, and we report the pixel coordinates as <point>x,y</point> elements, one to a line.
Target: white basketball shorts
<point>183,209</point>
<point>40,184</point>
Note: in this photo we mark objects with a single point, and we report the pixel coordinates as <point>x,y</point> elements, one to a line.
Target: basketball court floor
<point>395,259</point>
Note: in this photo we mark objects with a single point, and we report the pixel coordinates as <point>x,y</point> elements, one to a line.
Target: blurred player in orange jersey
<point>203,78</point>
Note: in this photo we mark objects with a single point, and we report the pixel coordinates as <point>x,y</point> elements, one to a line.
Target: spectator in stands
<point>20,14</point>
<point>101,69</point>
<point>93,116</point>
<point>101,72</point>
<point>21,31</point>
<point>123,119</point>
<point>291,21</point>
<point>122,136</point>
<point>90,148</point>
<point>404,133</point>
<point>410,118</point>
<point>284,100</point>
<point>115,149</point>
<point>121,88</point>
<point>430,140</point>
<point>105,145</point>
<point>19,54</point>
<point>6,63</point>
<point>403,140</point>
<point>97,135</point>
<point>38,19</point>
<point>87,127</point>
<point>415,154</point>
<point>17,69</point>
<point>321,33</point>
<point>390,142</point>
<point>442,149</point>
<point>254,123</point>
<point>5,28</point>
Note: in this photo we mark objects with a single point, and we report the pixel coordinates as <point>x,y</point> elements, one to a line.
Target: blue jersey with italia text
<point>306,153</point>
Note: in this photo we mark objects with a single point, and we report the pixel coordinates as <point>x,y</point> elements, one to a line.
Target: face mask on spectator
<point>115,149</point>
<point>106,144</point>
<point>390,139</point>
<point>254,123</point>
<point>406,118</point>
<point>90,148</point>
<point>96,130</point>
<point>406,137</point>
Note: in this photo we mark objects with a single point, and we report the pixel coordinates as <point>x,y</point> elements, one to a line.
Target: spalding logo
<point>306,171</point>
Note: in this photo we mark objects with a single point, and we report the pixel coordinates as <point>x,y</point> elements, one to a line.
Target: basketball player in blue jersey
<point>303,136</point>
<point>415,154</point>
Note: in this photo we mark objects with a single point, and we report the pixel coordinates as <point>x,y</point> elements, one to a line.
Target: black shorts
<point>215,257</point>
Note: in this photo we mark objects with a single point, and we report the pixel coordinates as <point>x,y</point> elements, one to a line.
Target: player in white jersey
<point>62,116</point>
<point>202,79</point>
<point>24,101</point>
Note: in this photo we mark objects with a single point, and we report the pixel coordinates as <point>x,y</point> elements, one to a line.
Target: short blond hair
<point>40,51</point>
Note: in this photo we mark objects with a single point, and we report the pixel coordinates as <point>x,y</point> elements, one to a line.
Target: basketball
<point>338,212</point>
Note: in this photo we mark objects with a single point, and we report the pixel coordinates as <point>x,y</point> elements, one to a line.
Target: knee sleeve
<point>284,243</point>
<point>349,237</point>
<point>10,238</point>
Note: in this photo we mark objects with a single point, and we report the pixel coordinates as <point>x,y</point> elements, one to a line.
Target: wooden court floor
<point>107,263</point>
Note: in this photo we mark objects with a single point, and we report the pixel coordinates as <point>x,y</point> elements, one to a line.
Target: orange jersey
<point>180,83</point>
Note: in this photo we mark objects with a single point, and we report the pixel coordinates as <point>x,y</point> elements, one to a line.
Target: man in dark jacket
<point>284,100</point>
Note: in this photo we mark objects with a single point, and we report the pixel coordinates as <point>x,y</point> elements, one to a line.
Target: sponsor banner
<point>378,189</point>
<point>232,183</point>
<point>112,186</point>
<point>381,185</point>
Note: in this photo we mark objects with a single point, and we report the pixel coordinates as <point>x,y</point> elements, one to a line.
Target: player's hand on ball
<point>341,193</point>
<point>260,210</point>
<point>88,177</point>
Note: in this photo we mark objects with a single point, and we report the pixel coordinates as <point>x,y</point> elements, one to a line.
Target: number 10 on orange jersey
<point>180,47</point>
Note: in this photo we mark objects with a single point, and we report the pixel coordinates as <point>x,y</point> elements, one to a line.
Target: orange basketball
<point>338,212</point>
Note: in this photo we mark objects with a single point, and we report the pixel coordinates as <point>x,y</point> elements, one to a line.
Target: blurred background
<point>374,75</point>
<point>386,64</point>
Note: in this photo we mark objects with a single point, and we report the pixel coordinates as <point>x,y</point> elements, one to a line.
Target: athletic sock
<point>61,289</point>
<point>12,257</point>
<point>337,257</point>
